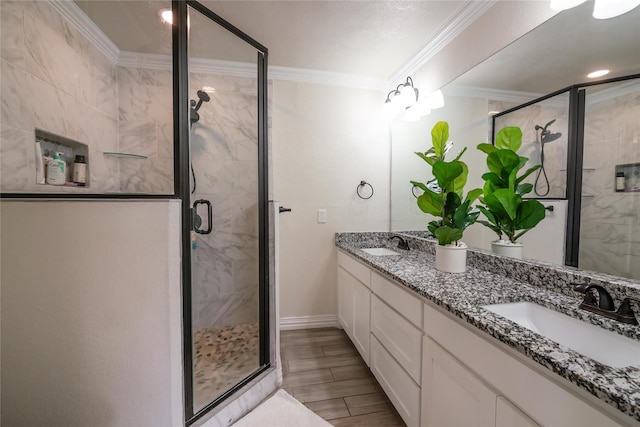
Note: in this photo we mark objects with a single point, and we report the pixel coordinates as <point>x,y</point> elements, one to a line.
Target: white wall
<point>326,140</point>
<point>91,313</point>
<point>502,24</point>
<point>467,118</point>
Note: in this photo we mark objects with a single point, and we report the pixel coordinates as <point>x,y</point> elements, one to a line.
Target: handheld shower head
<point>203,97</point>
<point>548,137</point>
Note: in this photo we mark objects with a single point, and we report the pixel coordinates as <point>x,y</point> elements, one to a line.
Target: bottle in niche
<point>56,170</point>
<point>80,171</point>
<point>620,181</point>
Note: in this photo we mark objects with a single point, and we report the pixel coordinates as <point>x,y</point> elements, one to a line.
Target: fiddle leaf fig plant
<point>506,212</point>
<point>443,195</point>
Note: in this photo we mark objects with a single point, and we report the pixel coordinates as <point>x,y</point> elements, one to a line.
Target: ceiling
<point>368,38</point>
<point>561,52</point>
<point>375,39</point>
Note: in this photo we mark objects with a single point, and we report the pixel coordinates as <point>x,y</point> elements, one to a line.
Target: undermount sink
<point>604,346</point>
<point>380,251</point>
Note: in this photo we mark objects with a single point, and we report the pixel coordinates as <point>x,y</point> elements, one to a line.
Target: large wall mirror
<point>557,54</point>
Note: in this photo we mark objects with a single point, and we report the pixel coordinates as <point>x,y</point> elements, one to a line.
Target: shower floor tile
<point>223,356</point>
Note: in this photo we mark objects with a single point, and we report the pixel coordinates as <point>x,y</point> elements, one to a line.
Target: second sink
<point>604,346</point>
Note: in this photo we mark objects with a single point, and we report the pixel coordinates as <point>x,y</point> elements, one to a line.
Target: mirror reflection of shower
<point>545,137</point>
<point>194,117</point>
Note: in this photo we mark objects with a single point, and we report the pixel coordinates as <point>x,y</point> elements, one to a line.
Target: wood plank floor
<point>323,370</point>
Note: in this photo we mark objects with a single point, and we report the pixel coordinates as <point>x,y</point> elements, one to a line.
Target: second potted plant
<point>506,212</point>
<point>443,198</point>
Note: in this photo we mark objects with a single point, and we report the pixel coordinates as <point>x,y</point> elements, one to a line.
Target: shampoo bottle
<point>56,170</point>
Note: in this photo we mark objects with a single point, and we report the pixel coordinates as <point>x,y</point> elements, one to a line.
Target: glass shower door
<point>224,184</point>
<point>610,211</point>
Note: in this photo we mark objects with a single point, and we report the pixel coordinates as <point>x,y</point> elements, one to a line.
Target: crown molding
<point>459,22</point>
<point>490,94</point>
<point>76,17</point>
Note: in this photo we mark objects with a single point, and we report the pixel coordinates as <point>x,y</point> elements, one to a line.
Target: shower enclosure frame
<point>575,152</point>
<point>183,190</point>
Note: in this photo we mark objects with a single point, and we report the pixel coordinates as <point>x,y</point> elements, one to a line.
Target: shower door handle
<point>197,221</point>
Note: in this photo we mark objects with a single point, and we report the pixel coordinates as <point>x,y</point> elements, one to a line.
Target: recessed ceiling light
<point>166,15</point>
<point>598,73</point>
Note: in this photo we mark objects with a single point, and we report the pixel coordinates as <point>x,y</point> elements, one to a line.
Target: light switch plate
<point>322,216</point>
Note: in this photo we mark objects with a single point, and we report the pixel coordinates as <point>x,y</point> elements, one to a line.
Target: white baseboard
<point>308,322</point>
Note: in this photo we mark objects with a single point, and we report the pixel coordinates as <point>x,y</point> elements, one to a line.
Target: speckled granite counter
<point>547,285</point>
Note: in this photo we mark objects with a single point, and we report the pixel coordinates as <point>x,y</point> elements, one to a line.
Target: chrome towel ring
<point>359,187</point>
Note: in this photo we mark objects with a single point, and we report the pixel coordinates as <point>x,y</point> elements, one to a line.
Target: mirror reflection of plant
<point>443,195</point>
<point>506,211</point>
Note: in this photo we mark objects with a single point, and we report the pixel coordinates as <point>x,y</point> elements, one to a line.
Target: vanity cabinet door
<point>452,395</point>
<point>361,319</point>
<point>354,301</point>
<point>507,415</point>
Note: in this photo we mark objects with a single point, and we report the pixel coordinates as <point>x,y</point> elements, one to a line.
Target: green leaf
<point>439,137</point>
<point>487,148</point>
<point>447,235</point>
<point>509,138</point>
<point>495,180</point>
<point>426,158</point>
<point>503,202</point>
<point>430,202</point>
<point>530,213</point>
<point>450,206</point>
<point>523,189</point>
<point>527,173</point>
<point>433,226</point>
<point>460,154</point>
<point>473,195</point>
<point>492,227</point>
<point>502,162</point>
<point>447,172</point>
<point>419,185</point>
<point>461,180</point>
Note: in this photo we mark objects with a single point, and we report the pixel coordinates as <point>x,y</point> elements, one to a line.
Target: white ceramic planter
<point>506,248</point>
<point>451,258</point>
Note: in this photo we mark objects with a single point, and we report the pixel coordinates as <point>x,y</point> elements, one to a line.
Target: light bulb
<point>387,112</point>
<point>596,74</point>
<point>605,9</point>
<point>166,15</point>
<point>408,94</point>
<point>411,115</point>
<point>435,100</point>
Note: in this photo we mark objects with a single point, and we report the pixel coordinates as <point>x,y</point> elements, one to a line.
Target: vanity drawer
<point>355,268</point>
<point>399,337</point>
<point>402,301</point>
<point>398,386</point>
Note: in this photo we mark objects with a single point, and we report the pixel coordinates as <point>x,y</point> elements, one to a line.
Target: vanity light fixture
<point>406,98</point>
<point>599,73</point>
<point>602,9</point>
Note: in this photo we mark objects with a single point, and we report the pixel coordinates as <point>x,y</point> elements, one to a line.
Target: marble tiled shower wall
<point>225,162</point>
<point>610,230</point>
<point>53,79</point>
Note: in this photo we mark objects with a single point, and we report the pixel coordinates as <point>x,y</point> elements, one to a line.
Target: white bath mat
<point>281,410</point>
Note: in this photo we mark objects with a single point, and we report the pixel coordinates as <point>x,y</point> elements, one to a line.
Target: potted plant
<point>443,198</point>
<point>506,212</point>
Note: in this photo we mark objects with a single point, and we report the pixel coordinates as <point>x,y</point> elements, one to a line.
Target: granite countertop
<point>464,294</point>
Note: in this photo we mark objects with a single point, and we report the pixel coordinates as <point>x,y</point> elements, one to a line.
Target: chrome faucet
<point>402,244</point>
<point>604,305</point>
